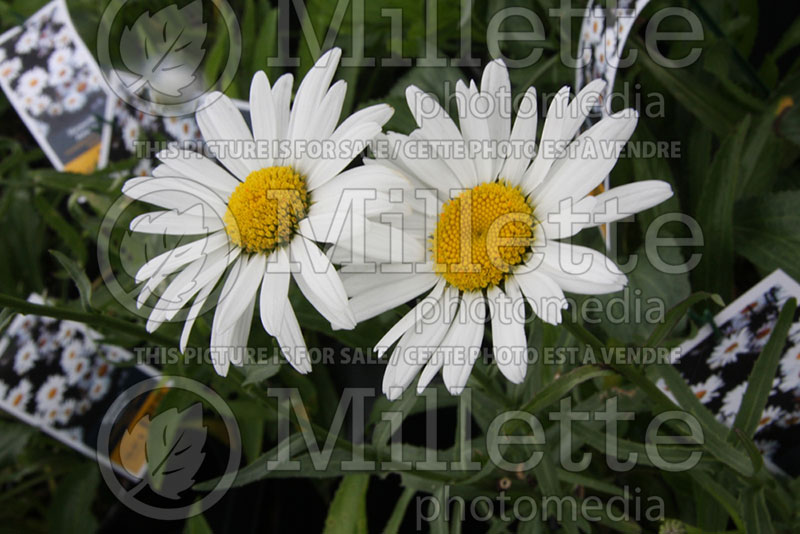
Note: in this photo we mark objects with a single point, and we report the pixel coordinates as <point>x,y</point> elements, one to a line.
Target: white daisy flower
<point>74,101</point>
<point>59,58</point>
<point>25,358</point>
<point>770,415</point>
<point>143,168</point>
<point>39,105</point>
<point>767,447</point>
<point>729,349</point>
<point>99,387</point>
<point>32,82</point>
<point>49,416</point>
<point>707,391</point>
<point>68,331</point>
<point>130,134</point>
<point>794,333</point>
<point>790,419</point>
<point>60,74</point>
<point>20,395</point>
<point>73,362</point>
<point>593,26</point>
<point>732,400</point>
<point>56,109</point>
<point>790,369</point>
<point>259,210</point>
<point>75,433</point>
<point>761,337</point>
<point>115,354</point>
<point>662,385</point>
<point>65,411</point>
<point>83,406</point>
<point>9,69</point>
<point>515,210</point>
<point>27,41</point>
<point>51,393</point>
<point>62,37</point>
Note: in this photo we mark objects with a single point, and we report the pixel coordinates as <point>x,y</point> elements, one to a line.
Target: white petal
<point>552,135</point>
<point>496,83</point>
<point>436,125</point>
<point>174,222</point>
<point>310,94</point>
<point>419,312</point>
<point>171,260</point>
<point>243,281</point>
<point>175,193</point>
<point>581,106</point>
<point>474,127</point>
<point>524,131</point>
<point>356,137</point>
<point>576,177</point>
<point>416,347</point>
<point>281,98</point>
<point>196,166</point>
<point>290,339</point>
<point>464,339</point>
<point>622,201</point>
<point>275,291</point>
<point>194,312</point>
<point>579,269</point>
<point>320,283</point>
<point>222,122</point>
<point>543,294</point>
<point>262,112</point>
<point>508,334</point>
<point>374,302</point>
<point>189,282</point>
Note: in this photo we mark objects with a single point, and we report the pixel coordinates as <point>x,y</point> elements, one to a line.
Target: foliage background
<point>735,117</point>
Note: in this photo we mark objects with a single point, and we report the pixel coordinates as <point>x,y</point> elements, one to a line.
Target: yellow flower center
<point>481,234</point>
<point>264,210</point>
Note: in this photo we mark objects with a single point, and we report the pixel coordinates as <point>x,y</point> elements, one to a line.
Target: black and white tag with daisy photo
<point>57,88</point>
<point>717,362</point>
<point>60,377</point>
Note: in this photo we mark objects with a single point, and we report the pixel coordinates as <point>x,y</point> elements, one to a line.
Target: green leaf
<point>715,215</point>
<point>13,439</point>
<point>197,524</point>
<point>78,276</point>
<point>69,235</point>
<point>348,511</point>
<point>556,390</point>
<point>396,519</point>
<point>694,94</point>
<point>767,231</point>
<point>714,432</point>
<point>674,316</point>
<point>720,494</point>
<point>755,512</point>
<point>759,383</point>
<point>70,511</point>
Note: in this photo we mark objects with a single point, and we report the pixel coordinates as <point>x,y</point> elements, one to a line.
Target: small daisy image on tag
<point>718,361</point>
<point>60,377</point>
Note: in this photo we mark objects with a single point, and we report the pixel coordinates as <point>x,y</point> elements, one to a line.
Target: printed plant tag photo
<point>56,87</point>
